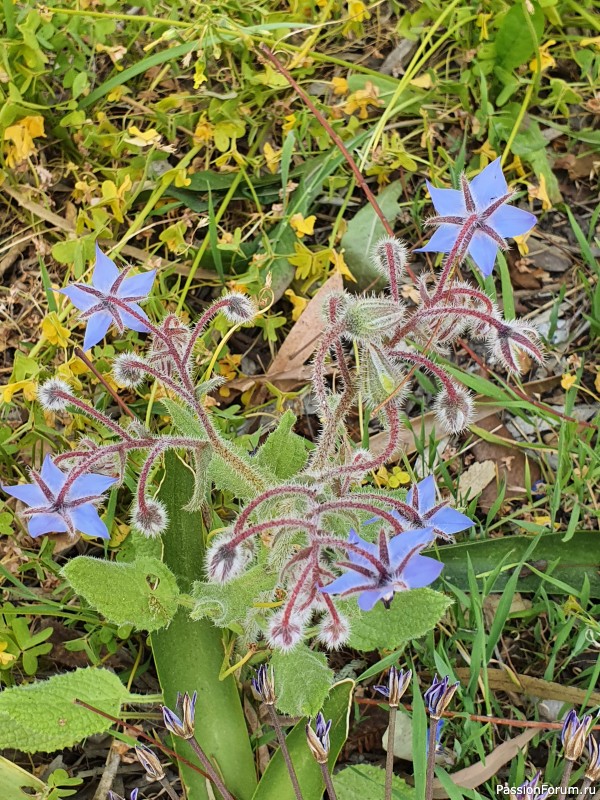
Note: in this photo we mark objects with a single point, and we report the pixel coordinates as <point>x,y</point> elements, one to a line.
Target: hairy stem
<point>284,750</point>
<point>328,782</point>
<point>210,770</point>
<point>430,758</point>
<point>389,758</point>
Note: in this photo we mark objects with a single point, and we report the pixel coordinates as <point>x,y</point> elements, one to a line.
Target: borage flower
<point>111,297</point>
<point>475,218</point>
<point>377,571</point>
<point>59,505</point>
<point>444,520</point>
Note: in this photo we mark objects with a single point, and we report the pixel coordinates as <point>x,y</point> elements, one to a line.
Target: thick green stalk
<point>189,655</point>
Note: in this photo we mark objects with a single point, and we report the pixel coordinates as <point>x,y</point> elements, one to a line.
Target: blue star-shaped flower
<point>377,571</point>
<point>444,520</point>
<point>475,218</point>
<point>52,509</point>
<point>111,297</point>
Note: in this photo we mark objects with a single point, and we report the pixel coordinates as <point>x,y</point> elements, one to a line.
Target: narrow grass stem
<point>566,776</point>
<point>328,782</point>
<point>389,758</point>
<point>584,789</point>
<point>284,751</point>
<point>430,758</point>
<point>210,770</point>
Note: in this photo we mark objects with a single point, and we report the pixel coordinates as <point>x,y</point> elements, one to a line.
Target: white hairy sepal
<point>334,633</point>
<point>371,319</point>
<point>454,409</point>
<point>334,306</point>
<point>128,370</point>
<point>514,339</point>
<point>51,394</point>
<point>239,308</point>
<point>225,561</point>
<point>284,634</point>
<point>390,257</point>
<point>151,518</point>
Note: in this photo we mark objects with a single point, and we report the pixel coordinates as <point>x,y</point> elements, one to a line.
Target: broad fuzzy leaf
<point>284,453</point>
<point>228,604</point>
<point>361,781</point>
<point>143,593</point>
<point>42,717</point>
<point>303,680</point>
<point>411,614</point>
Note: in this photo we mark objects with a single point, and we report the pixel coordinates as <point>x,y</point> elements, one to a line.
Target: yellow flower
<point>117,93</point>
<point>142,138</point>
<point>595,42</point>
<point>204,132</point>
<point>20,138</point>
<point>568,381</point>
<point>181,178</point>
<point>28,387</point>
<point>521,242</point>
<point>114,196</point>
<point>486,150</point>
<point>289,124</point>
<point>482,23</point>
<point>540,193</point>
<point>298,303</point>
<point>272,157</point>
<point>362,99</point>
<point>339,264</point>
<point>5,658</point>
<point>54,331</point>
<point>340,86</point>
<point>115,52</point>
<point>546,60</point>
<point>303,225</point>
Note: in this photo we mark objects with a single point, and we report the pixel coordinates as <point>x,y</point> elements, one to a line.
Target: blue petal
<point>131,322</point>
<point>138,286</point>
<point>355,539</point>
<point>85,519</point>
<point>450,520</point>
<point>96,329</point>
<point>80,298</point>
<point>346,582</point>
<point>489,185</point>
<point>402,543</point>
<point>483,252</point>
<point>447,202</point>
<point>367,600</point>
<point>421,571</point>
<point>46,523</point>
<point>27,493</point>
<point>442,241</point>
<point>426,489</point>
<point>105,272</point>
<point>89,486</point>
<point>52,475</point>
<point>511,221</point>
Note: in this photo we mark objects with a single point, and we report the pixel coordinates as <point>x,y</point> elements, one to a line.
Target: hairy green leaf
<point>43,717</point>
<point>411,614</point>
<point>13,780</point>
<point>362,781</point>
<point>303,680</point>
<point>228,604</point>
<point>284,453</point>
<point>143,593</point>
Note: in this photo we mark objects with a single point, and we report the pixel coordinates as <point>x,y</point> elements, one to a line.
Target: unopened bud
<point>182,723</point>
<point>226,561</point>
<point>149,517</point>
<point>334,631</point>
<point>128,369</point>
<point>390,256</point>
<point>513,340</point>
<point>54,394</point>
<point>380,377</point>
<point>454,408</point>
<point>264,684</point>
<point>239,308</point>
<point>285,633</point>
<point>149,762</point>
<point>396,687</point>
<point>573,735</point>
<point>318,740</point>
<point>370,319</point>
<point>592,772</point>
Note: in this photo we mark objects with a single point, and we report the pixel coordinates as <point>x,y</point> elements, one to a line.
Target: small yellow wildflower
<point>567,381</point>
<point>28,387</point>
<point>362,99</point>
<point>340,86</point>
<point>54,331</point>
<point>204,132</point>
<point>298,303</point>
<point>19,138</point>
<point>303,225</point>
<point>339,264</point>
<point>546,60</point>
<point>272,157</point>
<point>540,193</point>
<point>142,138</point>
<point>5,658</point>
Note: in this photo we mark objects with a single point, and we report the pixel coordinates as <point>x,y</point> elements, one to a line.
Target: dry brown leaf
<point>476,478</point>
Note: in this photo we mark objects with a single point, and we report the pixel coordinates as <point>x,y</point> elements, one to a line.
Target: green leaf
<point>183,419</point>
<point>189,654</point>
<point>13,780</point>
<point>362,781</point>
<point>411,614</point>
<point>275,783</point>
<point>228,604</point>
<point>363,232</point>
<point>42,717</point>
<point>514,44</point>
<point>573,560</point>
<point>303,680</point>
<point>284,453</point>
<point>143,593</point>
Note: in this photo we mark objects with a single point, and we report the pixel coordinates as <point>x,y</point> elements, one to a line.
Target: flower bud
<point>128,369</point>
<point>454,408</point>
<point>318,740</point>
<point>284,632</point>
<point>239,308</point>
<point>264,684</point>
<point>370,319</point>
<point>390,256</point>
<point>573,735</point>
<point>334,631</point>
<point>54,394</point>
<point>149,762</point>
<point>226,561</point>
<point>592,772</point>
<point>380,376</point>
<point>149,517</point>
<point>439,695</point>
<point>182,723</point>
<point>396,687</point>
<point>511,341</point>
